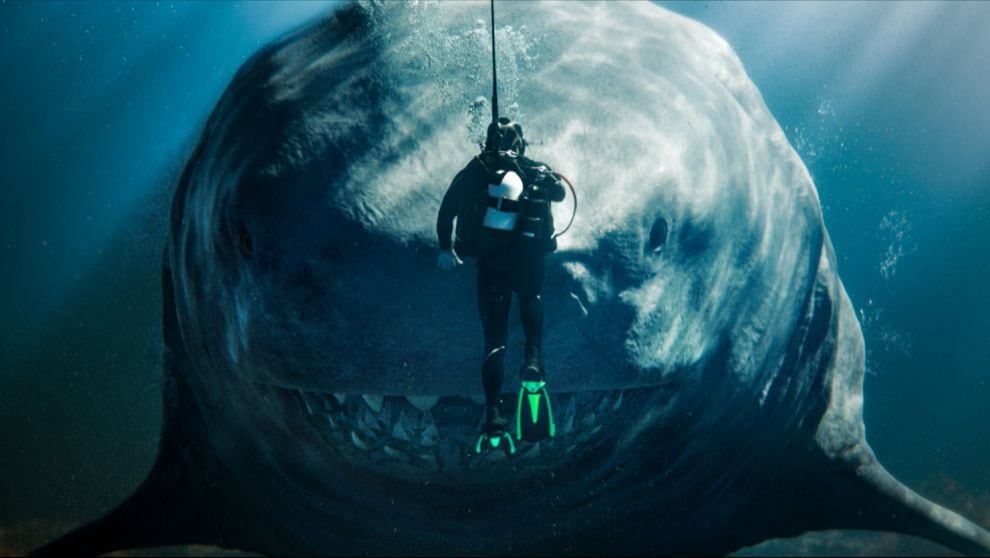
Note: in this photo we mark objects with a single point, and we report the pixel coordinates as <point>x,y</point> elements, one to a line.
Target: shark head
<point>323,389</point>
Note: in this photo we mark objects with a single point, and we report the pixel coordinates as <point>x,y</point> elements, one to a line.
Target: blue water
<point>885,102</point>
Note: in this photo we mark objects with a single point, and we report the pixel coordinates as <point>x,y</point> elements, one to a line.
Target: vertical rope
<point>494,75</point>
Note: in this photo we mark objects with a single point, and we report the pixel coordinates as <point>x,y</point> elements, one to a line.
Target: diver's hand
<point>448,260</point>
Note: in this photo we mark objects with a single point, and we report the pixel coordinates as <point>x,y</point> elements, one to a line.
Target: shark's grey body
<point>322,384</point>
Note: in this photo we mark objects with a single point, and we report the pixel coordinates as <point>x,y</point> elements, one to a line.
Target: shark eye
<point>245,241</point>
<point>658,235</point>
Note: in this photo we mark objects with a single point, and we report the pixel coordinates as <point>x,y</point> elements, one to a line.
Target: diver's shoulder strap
<point>493,162</point>
<point>535,171</point>
<point>486,166</point>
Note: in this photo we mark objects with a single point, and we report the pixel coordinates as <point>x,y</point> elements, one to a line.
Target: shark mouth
<point>425,437</point>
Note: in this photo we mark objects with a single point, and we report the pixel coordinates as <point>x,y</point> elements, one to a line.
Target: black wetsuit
<point>507,261</point>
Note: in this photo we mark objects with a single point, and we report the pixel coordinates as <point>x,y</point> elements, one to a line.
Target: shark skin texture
<point>322,389</point>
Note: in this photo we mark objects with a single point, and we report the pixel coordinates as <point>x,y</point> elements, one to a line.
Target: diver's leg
<point>528,283</point>
<point>534,415</point>
<point>531,313</point>
<point>494,300</point>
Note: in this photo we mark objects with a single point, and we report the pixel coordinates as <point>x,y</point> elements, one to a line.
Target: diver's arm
<point>445,218</point>
<point>449,207</point>
<point>452,199</point>
<point>545,184</point>
<point>549,187</point>
<point>553,189</point>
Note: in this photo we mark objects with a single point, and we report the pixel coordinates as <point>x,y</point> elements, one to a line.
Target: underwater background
<point>887,104</point>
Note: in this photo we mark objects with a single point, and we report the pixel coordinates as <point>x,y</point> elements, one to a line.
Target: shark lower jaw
<point>434,438</point>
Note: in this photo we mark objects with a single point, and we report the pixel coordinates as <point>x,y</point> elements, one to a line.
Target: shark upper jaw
<point>421,438</point>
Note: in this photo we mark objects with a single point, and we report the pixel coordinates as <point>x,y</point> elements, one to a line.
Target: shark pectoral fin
<point>170,507</point>
<point>892,506</point>
<point>146,519</point>
<point>859,493</point>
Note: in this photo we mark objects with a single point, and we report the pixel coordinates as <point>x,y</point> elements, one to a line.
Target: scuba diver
<point>501,200</point>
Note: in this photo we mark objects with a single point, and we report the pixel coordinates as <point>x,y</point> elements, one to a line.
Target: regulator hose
<point>559,176</point>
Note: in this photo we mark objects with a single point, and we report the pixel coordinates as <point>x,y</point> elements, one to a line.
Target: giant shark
<point>322,388</point>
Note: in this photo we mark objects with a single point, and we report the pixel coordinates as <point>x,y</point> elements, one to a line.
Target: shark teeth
<point>423,403</point>
<point>570,414</point>
<point>305,401</point>
<point>603,404</point>
<point>384,416</point>
<point>426,420</point>
<point>394,453</point>
<point>399,431</point>
<point>374,401</point>
<point>358,442</point>
<point>367,424</point>
<point>427,435</point>
<point>327,405</point>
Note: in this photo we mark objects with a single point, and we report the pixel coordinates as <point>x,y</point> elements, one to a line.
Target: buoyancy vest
<point>510,206</point>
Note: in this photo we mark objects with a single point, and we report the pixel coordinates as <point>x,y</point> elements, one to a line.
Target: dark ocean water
<point>885,102</point>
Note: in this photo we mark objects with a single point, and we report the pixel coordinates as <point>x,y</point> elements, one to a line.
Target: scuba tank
<point>532,214</point>
<point>513,208</point>
<point>502,213</point>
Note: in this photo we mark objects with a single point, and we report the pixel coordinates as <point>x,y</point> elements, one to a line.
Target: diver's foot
<point>494,436</point>
<point>533,361</point>
<point>495,426</point>
<point>532,373</point>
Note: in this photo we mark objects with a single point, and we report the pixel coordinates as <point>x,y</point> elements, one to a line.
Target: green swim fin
<point>534,412</point>
<point>493,437</point>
